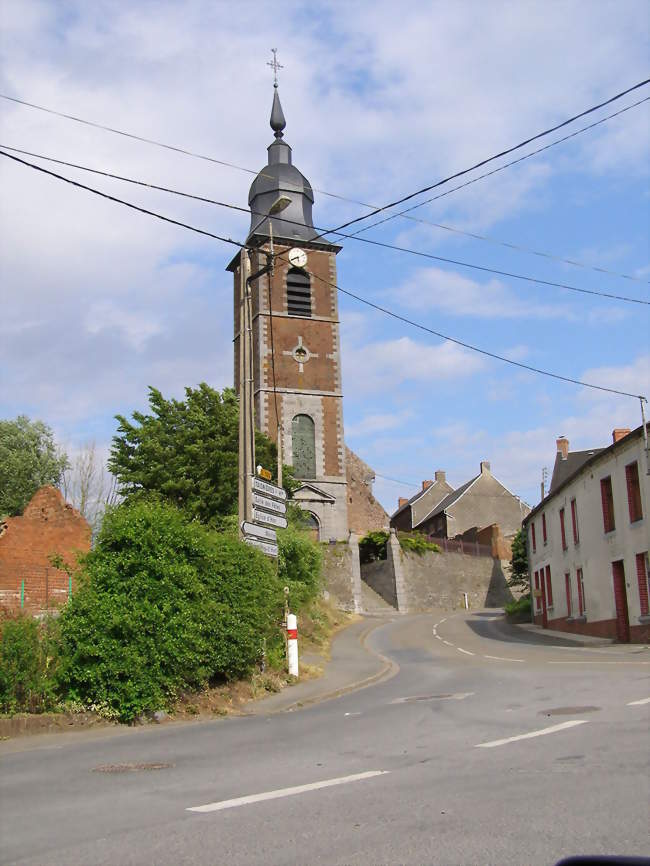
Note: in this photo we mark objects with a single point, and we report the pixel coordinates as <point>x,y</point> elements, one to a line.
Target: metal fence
<point>470,548</point>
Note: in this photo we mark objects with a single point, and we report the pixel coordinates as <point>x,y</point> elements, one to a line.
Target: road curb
<point>389,670</point>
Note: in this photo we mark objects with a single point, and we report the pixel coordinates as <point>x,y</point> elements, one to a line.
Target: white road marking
<point>440,621</point>
<point>541,733</point>
<point>639,703</point>
<point>458,696</point>
<point>447,642</point>
<point>467,652</point>
<point>578,662</point>
<point>502,659</point>
<point>284,792</point>
<point>353,714</point>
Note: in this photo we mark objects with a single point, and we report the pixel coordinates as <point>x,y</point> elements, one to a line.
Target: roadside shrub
<point>521,608</point>
<point>164,606</point>
<point>300,562</point>
<point>373,546</point>
<point>416,542</point>
<point>26,663</point>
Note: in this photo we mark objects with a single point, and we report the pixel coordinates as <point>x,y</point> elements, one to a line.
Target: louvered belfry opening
<point>298,293</point>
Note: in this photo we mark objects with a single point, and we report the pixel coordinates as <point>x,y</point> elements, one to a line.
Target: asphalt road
<point>426,766</point>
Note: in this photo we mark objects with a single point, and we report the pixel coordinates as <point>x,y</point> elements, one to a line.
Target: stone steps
<point>373,604</point>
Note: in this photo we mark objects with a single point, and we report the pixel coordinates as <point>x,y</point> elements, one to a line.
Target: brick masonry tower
<point>296,346</point>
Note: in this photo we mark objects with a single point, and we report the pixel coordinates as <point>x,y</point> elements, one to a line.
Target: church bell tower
<point>296,344</point>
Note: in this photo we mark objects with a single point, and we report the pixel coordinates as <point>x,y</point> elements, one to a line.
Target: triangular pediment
<point>310,493</point>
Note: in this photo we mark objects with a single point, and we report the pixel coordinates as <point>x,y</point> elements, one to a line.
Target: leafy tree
<point>164,605</point>
<point>186,452</point>
<point>519,563</point>
<point>29,458</point>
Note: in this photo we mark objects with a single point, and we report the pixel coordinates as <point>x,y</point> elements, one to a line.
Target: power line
<point>564,138</point>
<point>125,203</point>
<point>350,294</point>
<point>355,236</point>
<point>374,208</point>
<point>492,158</point>
<point>469,346</point>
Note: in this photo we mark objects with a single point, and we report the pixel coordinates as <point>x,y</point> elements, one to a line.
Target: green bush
<point>163,606</point>
<point>416,542</point>
<point>373,546</point>
<point>300,564</point>
<point>26,665</point>
<point>519,608</point>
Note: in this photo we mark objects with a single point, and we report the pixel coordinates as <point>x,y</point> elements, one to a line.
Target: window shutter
<point>642,576</point>
<point>574,521</point>
<point>581,600</point>
<point>544,536</point>
<point>567,583</point>
<point>532,537</point>
<point>607,503</point>
<point>549,588</point>
<point>633,492</point>
<point>562,529</point>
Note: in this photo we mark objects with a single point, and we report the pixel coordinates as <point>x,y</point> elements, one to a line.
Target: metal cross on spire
<point>275,66</point>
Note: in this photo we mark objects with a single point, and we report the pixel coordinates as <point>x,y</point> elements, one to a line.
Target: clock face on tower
<point>298,257</point>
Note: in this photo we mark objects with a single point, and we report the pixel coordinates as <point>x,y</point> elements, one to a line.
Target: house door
<point>620,599</point>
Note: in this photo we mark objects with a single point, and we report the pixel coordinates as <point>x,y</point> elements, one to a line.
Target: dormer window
<point>298,293</point>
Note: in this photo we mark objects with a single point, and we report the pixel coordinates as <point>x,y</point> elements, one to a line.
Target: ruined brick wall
<point>364,512</point>
<point>48,526</point>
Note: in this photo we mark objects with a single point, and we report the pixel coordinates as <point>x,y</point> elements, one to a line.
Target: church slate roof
<point>450,499</point>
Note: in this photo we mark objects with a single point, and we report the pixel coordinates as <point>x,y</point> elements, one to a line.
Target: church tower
<point>296,344</point>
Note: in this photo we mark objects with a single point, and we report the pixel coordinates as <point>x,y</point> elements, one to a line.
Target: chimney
<point>619,433</point>
<point>441,475</point>
<point>485,466</point>
<point>562,447</point>
<point>402,501</point>
<point>426,484</point>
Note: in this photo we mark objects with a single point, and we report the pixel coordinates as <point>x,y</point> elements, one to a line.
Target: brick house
<point>49,525</point>
<point>588,541</point>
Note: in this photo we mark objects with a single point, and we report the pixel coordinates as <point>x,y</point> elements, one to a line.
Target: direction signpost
<point>268,507</point>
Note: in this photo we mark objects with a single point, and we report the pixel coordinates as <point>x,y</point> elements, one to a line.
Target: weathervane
<point>275,66</point>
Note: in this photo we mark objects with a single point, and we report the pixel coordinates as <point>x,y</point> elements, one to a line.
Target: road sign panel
<point>264,473</point>
<point>269,489</point>
<point>259,531</point>
<point>265,546</point>
<point>269,504</point>
<point>269,518</point>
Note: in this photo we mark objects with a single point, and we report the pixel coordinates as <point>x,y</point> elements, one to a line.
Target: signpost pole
<point>246,428</point>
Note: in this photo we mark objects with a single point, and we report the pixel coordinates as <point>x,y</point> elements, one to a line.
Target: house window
<point>298,293</point>
<point>643,576</point>
<point>567,584</point>
<point>582,604</point>
<point>312,526</point>
<point>549,587</point>
<point>538,600</point>
<point>533,540</point>
<point>562,529</point>
<point>607,498</point>
<point>544,535</point>
<point>633,491</point>
<point>303,445</point>
<point>574,522</point>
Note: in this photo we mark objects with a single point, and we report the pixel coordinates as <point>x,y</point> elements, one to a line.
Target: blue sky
<point>98,303</point>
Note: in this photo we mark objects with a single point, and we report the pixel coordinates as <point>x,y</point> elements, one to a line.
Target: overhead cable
<point>356,237</point>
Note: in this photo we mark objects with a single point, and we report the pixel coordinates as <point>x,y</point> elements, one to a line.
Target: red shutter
<point>562,529</point>
<point>581,600</point>
<point>538,600</point>
<point>574,521</point>
<point>549,588</point>
<point>633,492</point>
<point>607,503</point>
<point>567,583</point>
<point>544,528</point>
<point>642,576</point>
<point>532,537</point>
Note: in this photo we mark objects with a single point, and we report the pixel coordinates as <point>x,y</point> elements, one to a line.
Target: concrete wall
<point>410,582</point>
<point>341,573</point>
<point>595,550</point>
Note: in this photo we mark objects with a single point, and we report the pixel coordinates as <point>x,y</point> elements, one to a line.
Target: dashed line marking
<point>446,642</point>
<point>579,662</point>
<point>639,703</point>
<point>467,652</point>
<point>502,659</point>
<point>284,792</point>
<point>541,733</point>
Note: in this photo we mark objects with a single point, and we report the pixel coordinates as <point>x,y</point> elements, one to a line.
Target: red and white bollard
<point>292,644</point>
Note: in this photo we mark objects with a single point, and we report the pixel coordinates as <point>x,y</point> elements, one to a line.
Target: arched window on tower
<point>298,293</point>
<point>303,446</point>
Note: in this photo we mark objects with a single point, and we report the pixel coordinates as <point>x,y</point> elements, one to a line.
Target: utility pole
<point>246,421</point>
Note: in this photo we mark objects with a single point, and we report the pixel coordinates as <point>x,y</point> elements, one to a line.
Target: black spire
<point>278,122</point>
